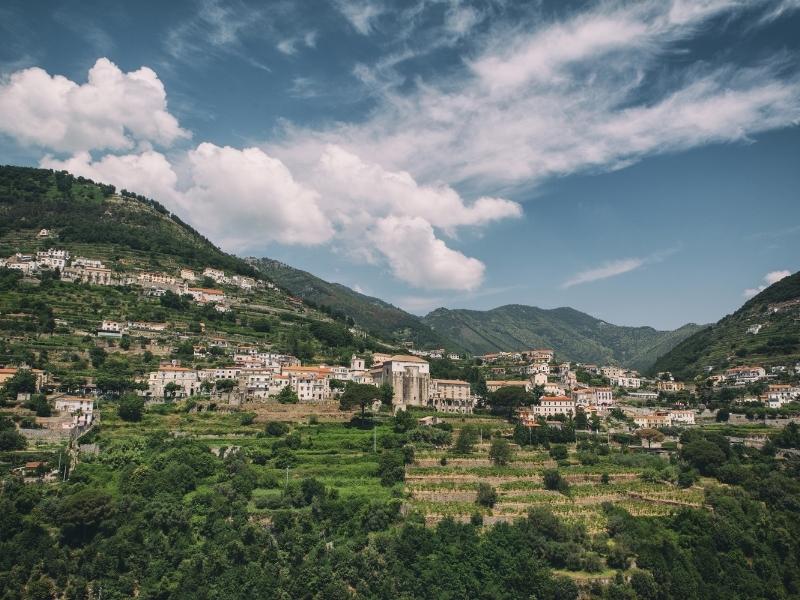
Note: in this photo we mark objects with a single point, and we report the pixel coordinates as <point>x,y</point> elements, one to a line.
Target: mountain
<point>371,314</point>
<point>84,213</point>
<point>573,334</point>
<point>764,331</point>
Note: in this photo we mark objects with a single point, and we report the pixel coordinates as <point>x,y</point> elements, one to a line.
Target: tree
<point>487,495</point>
<point>722,416</point>
<point>500,452</point>
<point>22,382</point>
<point>358,394</point>
<point>559,452</point>
<point>508,399</point>
<point>391,467</point>
<point>403,421</point>
<point>131,408</point>
<point>11,439</point>
<point>650,434</point>
<point>287,396</point>
<point>276,428</point>
<point>170,391</point>
<point>98,356</point>
<point>386,394</point>
<point>554,481</point>
<point>581,421</point>
<point>466,440</point>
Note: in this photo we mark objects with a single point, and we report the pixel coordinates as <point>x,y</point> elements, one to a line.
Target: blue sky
<point>638,161</point>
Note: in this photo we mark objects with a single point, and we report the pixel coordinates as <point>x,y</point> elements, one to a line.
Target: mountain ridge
<point>573,334</point>
<point>764,330</point>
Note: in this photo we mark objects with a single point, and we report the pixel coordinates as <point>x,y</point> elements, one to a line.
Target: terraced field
<point>438,490</point>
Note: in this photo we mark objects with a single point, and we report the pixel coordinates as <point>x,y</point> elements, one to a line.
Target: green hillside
<point>728,343</point>
<point>84,213</point>
<point>49,323</point>
<point>371,314</point>
<point>573,334</point>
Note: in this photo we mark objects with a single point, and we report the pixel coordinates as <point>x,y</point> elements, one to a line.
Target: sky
<point>639,161</point>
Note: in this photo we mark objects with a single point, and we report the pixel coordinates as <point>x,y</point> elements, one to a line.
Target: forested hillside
<point>573,334</point>
<point>373,314</point>
<point>764,331</point>
<point>83,212</point>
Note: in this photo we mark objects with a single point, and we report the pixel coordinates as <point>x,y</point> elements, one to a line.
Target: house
<point>626,381</point>
<point>534,368</point>
<point>187,381</point>
<point>643,395</point>
<point>745,374</point>
<point>378,358</point>
<point>670,387</point>
<point>204,295</point>
<point>612,372</point>
<point>494,385</point>
<point>539,379</point>
<point>7,373</point>
<point>188,275</point>
<point>539,355</point>
<point>53,258</point>
<point>429,421</point>
<point>554,389</point>
<point>43,233</point>
<point>681,417</point>
<point>603,396</point>
<point>357,364</point>
<point>410,378</point>
<point>73,404</point>
<point>451,395</point>
<point>214,274</point>
<point>653,420</point>
<point>87,270</point>
<point>554,405</point>
<point>111,329</point>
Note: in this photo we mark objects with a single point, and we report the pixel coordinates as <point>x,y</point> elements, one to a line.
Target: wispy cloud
<point>604,271</point>
<point>613,268</point>
<point>769,279</point>
<point>361,14</point>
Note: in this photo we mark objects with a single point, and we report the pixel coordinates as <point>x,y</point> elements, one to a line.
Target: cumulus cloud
<point>355,187</point>
<point>416,256</point>
<point>604,271</point>
<point>112,110</point>
<point>245,197</point>
<point>769,279</point>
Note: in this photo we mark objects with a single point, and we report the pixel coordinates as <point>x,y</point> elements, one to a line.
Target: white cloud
<point>606,270</point>
<point>112,110</point>
<point>245,197</point>
<point>290,45</point>
<point>148,173</point>
<point>360,13</point>
<point>562,97</point>
<point>239,198</point>
<point>769,279</point>
<point>354,187</point>
<point>416,256</point>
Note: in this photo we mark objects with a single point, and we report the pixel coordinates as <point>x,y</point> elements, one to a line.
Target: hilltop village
<point>224,373</point>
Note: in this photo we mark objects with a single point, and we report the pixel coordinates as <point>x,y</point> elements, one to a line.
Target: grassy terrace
<point>342,457</point>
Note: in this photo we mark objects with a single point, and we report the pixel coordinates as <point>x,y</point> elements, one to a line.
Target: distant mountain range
<point>380,318</point>
<point>764,331</point>
<point>572,334</point>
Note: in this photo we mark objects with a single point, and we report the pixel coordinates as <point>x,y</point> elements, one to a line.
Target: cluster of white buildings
<point>665,418</point>
<point>437,353</point>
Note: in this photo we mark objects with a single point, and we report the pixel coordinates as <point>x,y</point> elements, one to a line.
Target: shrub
<point>391,467</point>
<point>559,452</point>
<point>276,428</point>
<point>131,408</point>
<point>500,452</point>
<point>554,481</point>
<point>487,495</point>
<point>247,418</point>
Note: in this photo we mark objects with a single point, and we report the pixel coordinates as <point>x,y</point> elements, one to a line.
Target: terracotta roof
<point>554,399</point>
<point>169,368</point>
<point>207,290</point>
<point>506,382</point>
<point>405,358</point>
